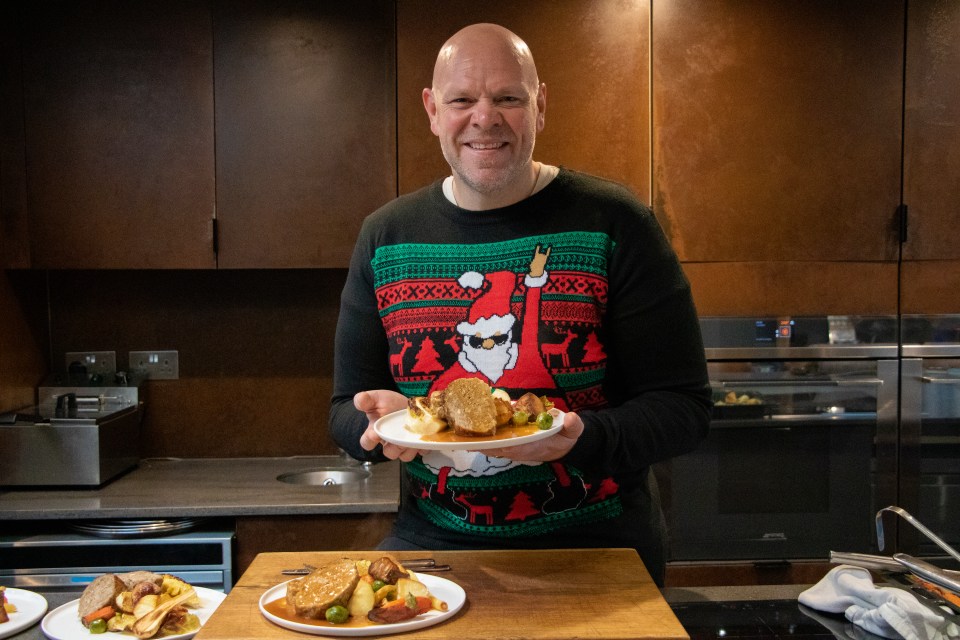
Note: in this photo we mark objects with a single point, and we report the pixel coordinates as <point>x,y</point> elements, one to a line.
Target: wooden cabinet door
<point>118,122</point>
<point>931,181</point>
<point>306,122</point>
<point>593,57</point>
<point>776,151</point>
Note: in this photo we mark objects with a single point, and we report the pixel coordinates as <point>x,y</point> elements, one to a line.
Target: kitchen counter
<point>706,613</point>
<point>211,487</point>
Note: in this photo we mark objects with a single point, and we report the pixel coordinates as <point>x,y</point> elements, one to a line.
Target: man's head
<point>487,105</point>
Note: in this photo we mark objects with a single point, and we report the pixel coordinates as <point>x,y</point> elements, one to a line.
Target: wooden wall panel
<point>930,286</point>
<point>777,129</point>
<point>793,288</point>
<point>22,340</point>
<point>14,232</point>
<point>932,132</point>
<point>306,128</point>
<point>593,57</point>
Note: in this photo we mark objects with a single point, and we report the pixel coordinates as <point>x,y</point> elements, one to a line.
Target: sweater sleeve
<point>361,352</point>
<point>656,378</point>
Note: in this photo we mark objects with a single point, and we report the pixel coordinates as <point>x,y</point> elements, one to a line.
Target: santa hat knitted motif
<point>490,312</point>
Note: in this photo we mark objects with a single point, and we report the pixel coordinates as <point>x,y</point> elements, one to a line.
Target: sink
<point>325,477</point>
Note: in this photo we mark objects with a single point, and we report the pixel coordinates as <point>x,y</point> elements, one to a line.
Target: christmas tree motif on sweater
<point>427,358</point>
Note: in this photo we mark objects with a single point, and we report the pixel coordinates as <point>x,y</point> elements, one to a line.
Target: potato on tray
<point>732,398</point>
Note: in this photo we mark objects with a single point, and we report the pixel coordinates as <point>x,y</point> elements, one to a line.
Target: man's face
<point>486,108</point>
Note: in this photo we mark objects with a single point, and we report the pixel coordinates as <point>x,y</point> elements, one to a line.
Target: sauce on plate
<point>503,433</point>
<point>281,609</point>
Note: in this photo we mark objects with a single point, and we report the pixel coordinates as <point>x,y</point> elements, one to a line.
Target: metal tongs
<point>896,566</point>
<point>423,565</point>
<point>921,568</point>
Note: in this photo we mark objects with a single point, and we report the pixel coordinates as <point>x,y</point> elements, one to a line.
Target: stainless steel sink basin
<point>326,477</point>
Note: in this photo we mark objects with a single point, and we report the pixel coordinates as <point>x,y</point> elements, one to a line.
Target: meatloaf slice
<point>101,592</point>
<point>313,594</point>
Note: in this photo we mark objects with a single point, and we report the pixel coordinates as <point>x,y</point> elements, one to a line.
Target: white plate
<point>63,623</point>
<point>450,592</point>
<point>30,608</point>
<point>391,429</point>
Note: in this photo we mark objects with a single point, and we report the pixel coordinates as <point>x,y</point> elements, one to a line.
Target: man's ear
<point>430,105</point>
<point>541,106</point>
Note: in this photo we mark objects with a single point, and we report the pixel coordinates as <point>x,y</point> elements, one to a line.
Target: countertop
<point>211,487</point>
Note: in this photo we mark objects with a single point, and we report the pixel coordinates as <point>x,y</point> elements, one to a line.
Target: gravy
<point>503,433</point>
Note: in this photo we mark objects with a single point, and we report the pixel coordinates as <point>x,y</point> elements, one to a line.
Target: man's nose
<point>486,114</point>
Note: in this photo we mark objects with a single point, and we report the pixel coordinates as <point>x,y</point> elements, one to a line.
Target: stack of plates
<point>134,528</point>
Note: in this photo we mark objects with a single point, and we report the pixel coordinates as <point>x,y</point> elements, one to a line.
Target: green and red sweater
<point>573,293</point>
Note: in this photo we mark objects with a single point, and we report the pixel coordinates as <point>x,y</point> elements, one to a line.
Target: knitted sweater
<point>573,293</point>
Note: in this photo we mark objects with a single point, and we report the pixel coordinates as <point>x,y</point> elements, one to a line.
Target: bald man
<point>532,278</point>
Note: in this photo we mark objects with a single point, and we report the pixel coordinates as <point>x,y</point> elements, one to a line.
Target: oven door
<point>774,491</point>
<point>804,478</point>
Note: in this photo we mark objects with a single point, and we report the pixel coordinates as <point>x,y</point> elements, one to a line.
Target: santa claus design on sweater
<point>491,348</point>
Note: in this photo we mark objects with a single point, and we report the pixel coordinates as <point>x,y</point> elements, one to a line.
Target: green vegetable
<point>337,614</point>
<point>544,421</point>
<point>377,585</point>
<point>520,418</point>
<point>98,626</point>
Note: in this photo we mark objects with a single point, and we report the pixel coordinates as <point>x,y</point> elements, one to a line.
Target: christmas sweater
<point>573,293</point>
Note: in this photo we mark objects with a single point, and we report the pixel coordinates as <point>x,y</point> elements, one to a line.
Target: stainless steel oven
<point>930,433</point>
<point>65,557</point>
<point>803,446</point>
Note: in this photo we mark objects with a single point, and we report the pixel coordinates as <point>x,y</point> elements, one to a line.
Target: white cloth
<point>885,611</point>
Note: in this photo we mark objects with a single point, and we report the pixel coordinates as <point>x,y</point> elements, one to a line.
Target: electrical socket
<point>96,362</point>
<point>156,365</point>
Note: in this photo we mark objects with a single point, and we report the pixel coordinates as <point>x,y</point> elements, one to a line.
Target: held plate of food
<point>469,415</point>
<point>361,598</point>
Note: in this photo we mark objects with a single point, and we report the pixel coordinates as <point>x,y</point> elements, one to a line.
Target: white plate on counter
<point>391,428</point>
<point>446,590</point>
<point>30,608</point>
<point>63,623</point>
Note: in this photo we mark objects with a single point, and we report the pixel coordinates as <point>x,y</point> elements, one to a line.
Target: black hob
<point>763,619</point>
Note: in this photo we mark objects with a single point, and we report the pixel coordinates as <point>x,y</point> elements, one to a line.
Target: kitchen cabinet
<point>244,135</point>
<point>593,57</point>
<point>306,128</point>
<point>776,152</point>
<point>118,134</point>
<point>931,254</point>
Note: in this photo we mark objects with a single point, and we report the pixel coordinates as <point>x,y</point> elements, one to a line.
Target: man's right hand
<point>376,404</point>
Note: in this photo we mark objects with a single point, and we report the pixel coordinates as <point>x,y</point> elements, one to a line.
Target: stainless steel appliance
<point>58,557</point>
<point>803,446</point>
<point>84,431</point>
<point>930,432</point>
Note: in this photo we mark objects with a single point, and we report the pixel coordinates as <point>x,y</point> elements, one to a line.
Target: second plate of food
<point>392,428</point>
<point>446,590</point>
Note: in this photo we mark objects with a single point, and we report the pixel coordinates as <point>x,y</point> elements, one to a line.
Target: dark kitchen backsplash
<point>255,352</point>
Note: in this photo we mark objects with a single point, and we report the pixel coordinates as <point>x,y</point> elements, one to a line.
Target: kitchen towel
<point>885,611</point>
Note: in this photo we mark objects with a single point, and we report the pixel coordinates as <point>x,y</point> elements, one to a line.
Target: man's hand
<point>548,449</point>
<point>539,262</point>
<point>376,404</point>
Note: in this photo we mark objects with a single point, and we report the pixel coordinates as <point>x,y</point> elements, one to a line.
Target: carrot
<point>105,613</point>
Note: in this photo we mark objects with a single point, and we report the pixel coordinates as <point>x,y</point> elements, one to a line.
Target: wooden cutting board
<point>568,593</point>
